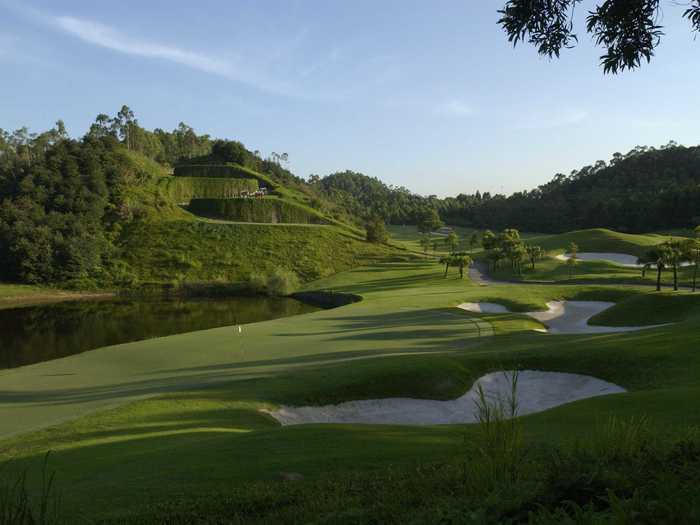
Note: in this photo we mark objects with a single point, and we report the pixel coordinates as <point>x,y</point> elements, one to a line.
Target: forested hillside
<point>644,190</point>
<point>69,208</point>
<point>66,204</point>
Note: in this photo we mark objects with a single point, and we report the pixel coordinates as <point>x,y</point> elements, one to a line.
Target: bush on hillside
<point>376,230</point>
<point>282,283</point>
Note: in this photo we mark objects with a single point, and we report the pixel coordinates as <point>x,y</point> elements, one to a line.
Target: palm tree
<point>656,257</point>
<point>446,261</point>
<point>677,255</point>
<point>461,260</point>
<point>694,252</point>
<point>534,253</point>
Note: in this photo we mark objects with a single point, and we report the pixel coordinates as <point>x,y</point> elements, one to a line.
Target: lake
<point>41,333</point>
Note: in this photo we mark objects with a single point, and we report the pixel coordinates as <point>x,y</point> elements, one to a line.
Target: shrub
<point>376,231</point>
<point>282,282</point>
<point>257,282</point>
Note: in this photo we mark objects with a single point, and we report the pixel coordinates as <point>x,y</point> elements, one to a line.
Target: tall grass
<point>496,454</point>
<point>18,507</point>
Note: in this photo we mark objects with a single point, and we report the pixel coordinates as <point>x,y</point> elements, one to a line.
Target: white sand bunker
<point>484,308</point>
<point>623,259</point>
<point>536,391</point>
<point>563,317</point>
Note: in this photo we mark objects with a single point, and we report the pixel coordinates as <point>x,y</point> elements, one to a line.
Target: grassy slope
<point>169,245</point>
<point>595,240</point>
<point>228,252</point>
<point>408,237</point>
<point>600,240</point>
<point>401,340</point>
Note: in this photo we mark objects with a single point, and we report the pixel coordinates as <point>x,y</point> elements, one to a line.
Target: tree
<point>376,230</point>
<point>460,260</point>
<point>488,240</point>
<point>694,250</point>
<point>425,243</point>
<point>428,220</point>
<point>628,30</point>
<point>534,253</point>
<point>656,257</point>
<point>123,125</point>
<point>452,241</point>
<point>571,264</point>
<point>473,241</point>
<point>677,253</point>
<point>573,258</point>
<point>447,260</point>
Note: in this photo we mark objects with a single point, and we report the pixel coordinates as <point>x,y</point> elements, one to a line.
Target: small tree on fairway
<point>425,243</point>
<point>677,254</point>
<point>694,250</point>
<point>656,257</point>
<point>571,264</point>
<point>463,261</point>
<point>573,250</point>
<point>534,253</point>
<point>435,245</point>
<point>452,242</point>
<point>473,241</point>
<point>446,261</point>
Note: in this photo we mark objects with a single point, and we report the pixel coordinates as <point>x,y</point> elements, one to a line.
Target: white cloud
<point>454,108</point>
<point>98,34</point>
<point>104,36</point>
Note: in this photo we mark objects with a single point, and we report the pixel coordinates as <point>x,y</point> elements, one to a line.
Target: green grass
<point>408,237</point>
<point>652,308</point>
<point>552,269</point>
<point>196,251</point>
<point>600,240</point>
<point>117,448</point>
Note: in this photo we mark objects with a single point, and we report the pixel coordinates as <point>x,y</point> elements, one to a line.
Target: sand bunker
<point>623,259</point>
<point>563,317</point>
<point>484,308</point>
<point>536,391</point>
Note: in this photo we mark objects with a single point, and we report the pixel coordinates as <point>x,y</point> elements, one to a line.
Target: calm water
<point>40,333</point>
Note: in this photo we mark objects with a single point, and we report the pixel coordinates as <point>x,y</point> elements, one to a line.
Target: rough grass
<point>191,251</point>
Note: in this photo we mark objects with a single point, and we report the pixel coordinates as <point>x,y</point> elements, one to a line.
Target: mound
<point>536,391</point>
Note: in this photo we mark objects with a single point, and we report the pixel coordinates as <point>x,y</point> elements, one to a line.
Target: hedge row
<point>269,210</point>
<point>183,189</point>
<point>230,171</point>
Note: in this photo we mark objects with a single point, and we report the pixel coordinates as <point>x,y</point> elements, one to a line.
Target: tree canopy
<point>628,30</point>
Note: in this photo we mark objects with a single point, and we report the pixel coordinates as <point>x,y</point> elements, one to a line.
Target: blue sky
<point>423,94</point>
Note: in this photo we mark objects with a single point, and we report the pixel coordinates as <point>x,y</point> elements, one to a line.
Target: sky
<point>428,95</point>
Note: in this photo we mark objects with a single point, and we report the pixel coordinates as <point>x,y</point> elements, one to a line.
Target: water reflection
<point>40,333</point>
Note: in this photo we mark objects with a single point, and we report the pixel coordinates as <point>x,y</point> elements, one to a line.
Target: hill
<point>108,211</point>
<point>645,190</point>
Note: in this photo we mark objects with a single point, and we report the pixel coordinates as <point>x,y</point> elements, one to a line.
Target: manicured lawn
<point>180,415</point>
